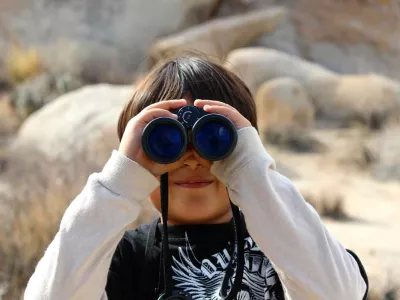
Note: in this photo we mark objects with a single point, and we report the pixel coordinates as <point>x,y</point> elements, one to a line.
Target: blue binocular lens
<point>213,136</point>
<point>213,140</point>
<point>166,141</point>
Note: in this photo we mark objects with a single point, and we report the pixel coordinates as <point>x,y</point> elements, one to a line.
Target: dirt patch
<point>361,212</point>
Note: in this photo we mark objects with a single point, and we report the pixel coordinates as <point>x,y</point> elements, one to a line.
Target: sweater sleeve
<point>76,263</point>
<point>310,262</point>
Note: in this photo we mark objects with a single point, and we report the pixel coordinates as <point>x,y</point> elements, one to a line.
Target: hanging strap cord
<point>239,235</point>
<point>165,247</point>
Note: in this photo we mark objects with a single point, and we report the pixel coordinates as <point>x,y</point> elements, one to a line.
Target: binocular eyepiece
<point>212,136</point>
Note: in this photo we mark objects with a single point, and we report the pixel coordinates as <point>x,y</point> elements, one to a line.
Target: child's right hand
<point>131,142</point>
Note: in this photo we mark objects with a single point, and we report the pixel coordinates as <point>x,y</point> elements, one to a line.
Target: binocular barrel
<point>212,136</point>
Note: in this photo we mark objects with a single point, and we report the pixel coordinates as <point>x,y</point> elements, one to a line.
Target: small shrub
<point>327,204</point>
<point>41,191</point>
<point>294,140</point>
<point>23,63</point>
<point>389,293</point>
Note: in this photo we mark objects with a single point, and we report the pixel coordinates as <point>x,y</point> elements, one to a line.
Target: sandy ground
<point>373,207</point>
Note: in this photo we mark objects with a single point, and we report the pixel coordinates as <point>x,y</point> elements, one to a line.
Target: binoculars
<point>212,136</point>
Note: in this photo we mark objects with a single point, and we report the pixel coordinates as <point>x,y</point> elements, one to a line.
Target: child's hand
<point>131,143</point>
<point>224,109</point>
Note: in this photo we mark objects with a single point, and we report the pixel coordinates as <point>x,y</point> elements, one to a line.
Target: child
<point>288,252</point>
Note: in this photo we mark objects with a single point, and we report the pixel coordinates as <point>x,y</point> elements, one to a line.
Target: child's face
<point>195,195</point>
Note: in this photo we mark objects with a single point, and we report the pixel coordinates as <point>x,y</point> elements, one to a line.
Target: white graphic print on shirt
<point>202,279</point>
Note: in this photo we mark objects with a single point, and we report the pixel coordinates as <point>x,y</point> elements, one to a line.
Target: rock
<point>75,121</point>
<point>355,58</point>
<point>355,37</point>
<point>233,7</point>
<point>91,36</point>
<point>47,165</point>
<point>255,65</point>
<point>216,38</point>
<point>371,99</point>
<point>285,39</point>
<point>386,148</point>
<point>75,134</point>
<point>286,115</point>
<point>61,144</point>
<point>35,93</point>
<point>283,103</point>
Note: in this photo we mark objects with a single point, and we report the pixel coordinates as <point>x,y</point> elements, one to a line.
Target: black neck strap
<point>166,257</point>
<point>237,248</point>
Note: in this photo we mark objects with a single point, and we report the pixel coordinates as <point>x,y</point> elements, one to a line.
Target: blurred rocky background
<point>324,73</point>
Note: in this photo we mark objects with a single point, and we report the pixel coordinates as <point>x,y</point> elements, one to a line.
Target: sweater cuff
<point>126,177</point>
<point>249,148</point>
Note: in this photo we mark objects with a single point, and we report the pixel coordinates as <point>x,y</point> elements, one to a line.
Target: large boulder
<point>216,38</point>
<point>74,136</point>
<point>371,99</point>
<point>286,114</point>
<point>46,167</point>
<point>355,36</point>
<point>255,65</point>
<point>104,40</point>
<point>75,122</point>
<point>283,103</point>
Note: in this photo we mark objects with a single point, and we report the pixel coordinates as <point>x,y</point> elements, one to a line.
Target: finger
<point>168,104</point>
<point>228,112</point>
<point>151,114</point>
<point>201,103</point>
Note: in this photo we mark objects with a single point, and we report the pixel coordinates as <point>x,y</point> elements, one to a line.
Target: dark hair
<point>189,75</point>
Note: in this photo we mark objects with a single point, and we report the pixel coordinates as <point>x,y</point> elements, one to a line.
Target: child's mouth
<point>193,184</point>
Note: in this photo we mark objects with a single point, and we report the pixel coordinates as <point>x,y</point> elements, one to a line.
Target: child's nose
<point>192,162</point>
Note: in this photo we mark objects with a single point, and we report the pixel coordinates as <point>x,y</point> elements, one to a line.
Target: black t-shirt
<point>200,255</point>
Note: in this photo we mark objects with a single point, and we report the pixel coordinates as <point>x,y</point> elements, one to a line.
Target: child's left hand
<point>224,109</point>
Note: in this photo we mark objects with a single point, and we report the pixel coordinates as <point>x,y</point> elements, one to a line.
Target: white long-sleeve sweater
<point>310,262</point>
